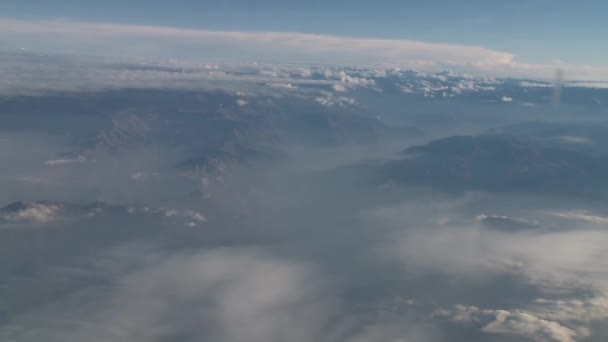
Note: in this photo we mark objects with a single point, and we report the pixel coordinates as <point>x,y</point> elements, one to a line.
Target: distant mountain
<point>211,129</point>
<point>587,137</point>
<point>499,163</point>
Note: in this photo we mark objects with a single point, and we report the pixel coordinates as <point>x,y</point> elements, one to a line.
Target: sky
<point>547,32</point>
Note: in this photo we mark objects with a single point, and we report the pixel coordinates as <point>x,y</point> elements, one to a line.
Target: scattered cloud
<point>557,320</point>
<point>570,285</point>
<point>188,214</point>
<point>331,101</point>
<point>518,323</point>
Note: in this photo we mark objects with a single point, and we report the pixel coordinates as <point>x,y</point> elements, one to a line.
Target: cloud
<point>340,101</point>
<point>220,295</point>
<point>578,310</point>
<point>519,323</point>
<point>462,248</point>
<point>171,42</point>
<point>507,99</point>
<point>558,320</point>
<point>565,270</point>
<point>193,218</point>
<point>282,85</point>
<point>580,215</point>
<point>528,104</point>
<point>339,88</point>
<point>474,253</point>
<point>524,324</point>
<point>73,35</point>
<point>36,213</point>
<point>63,161</point>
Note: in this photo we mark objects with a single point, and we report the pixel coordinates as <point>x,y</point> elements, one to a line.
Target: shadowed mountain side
<point>494,163</point>
<point>209,129</point>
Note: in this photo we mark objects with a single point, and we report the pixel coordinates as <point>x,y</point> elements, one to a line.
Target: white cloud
<point>282,85</point>
<point>63,161</point>
<point>519,323</point>
<point>169,42</point>
<point>568,267</point>
<point>474,253</point>
<point>73,35</point>
<point>561,320</point>
<point>507,99</point>
<point>330,101</point>
<point>580,215</point>
<point>596,85</point>
<point>34,213</point>
<point>524,324</point>
<point>339,88</point>
<point>189,214</point>
<point>528,84</point>
<point>138,176</point>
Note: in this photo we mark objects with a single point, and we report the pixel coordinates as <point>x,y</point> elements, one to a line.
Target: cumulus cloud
<point>37,213</point>
<point>559,320</point>
<point>62,35</point>
<point>339,88</point>
<point>31,74</point>
<point>577,310</point>
<point>519,323</point>
<point>565,267</point>
<point>330,101</point>
<point>193,217</point>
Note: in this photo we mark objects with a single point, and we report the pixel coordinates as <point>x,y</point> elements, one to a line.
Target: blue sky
<point>535,31</point>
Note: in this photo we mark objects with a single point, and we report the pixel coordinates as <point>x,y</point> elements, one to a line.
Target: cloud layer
<point>170,42</point>
<point>224,294</point>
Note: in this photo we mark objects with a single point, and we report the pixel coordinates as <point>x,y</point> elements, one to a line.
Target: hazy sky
<point>548,32</point>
